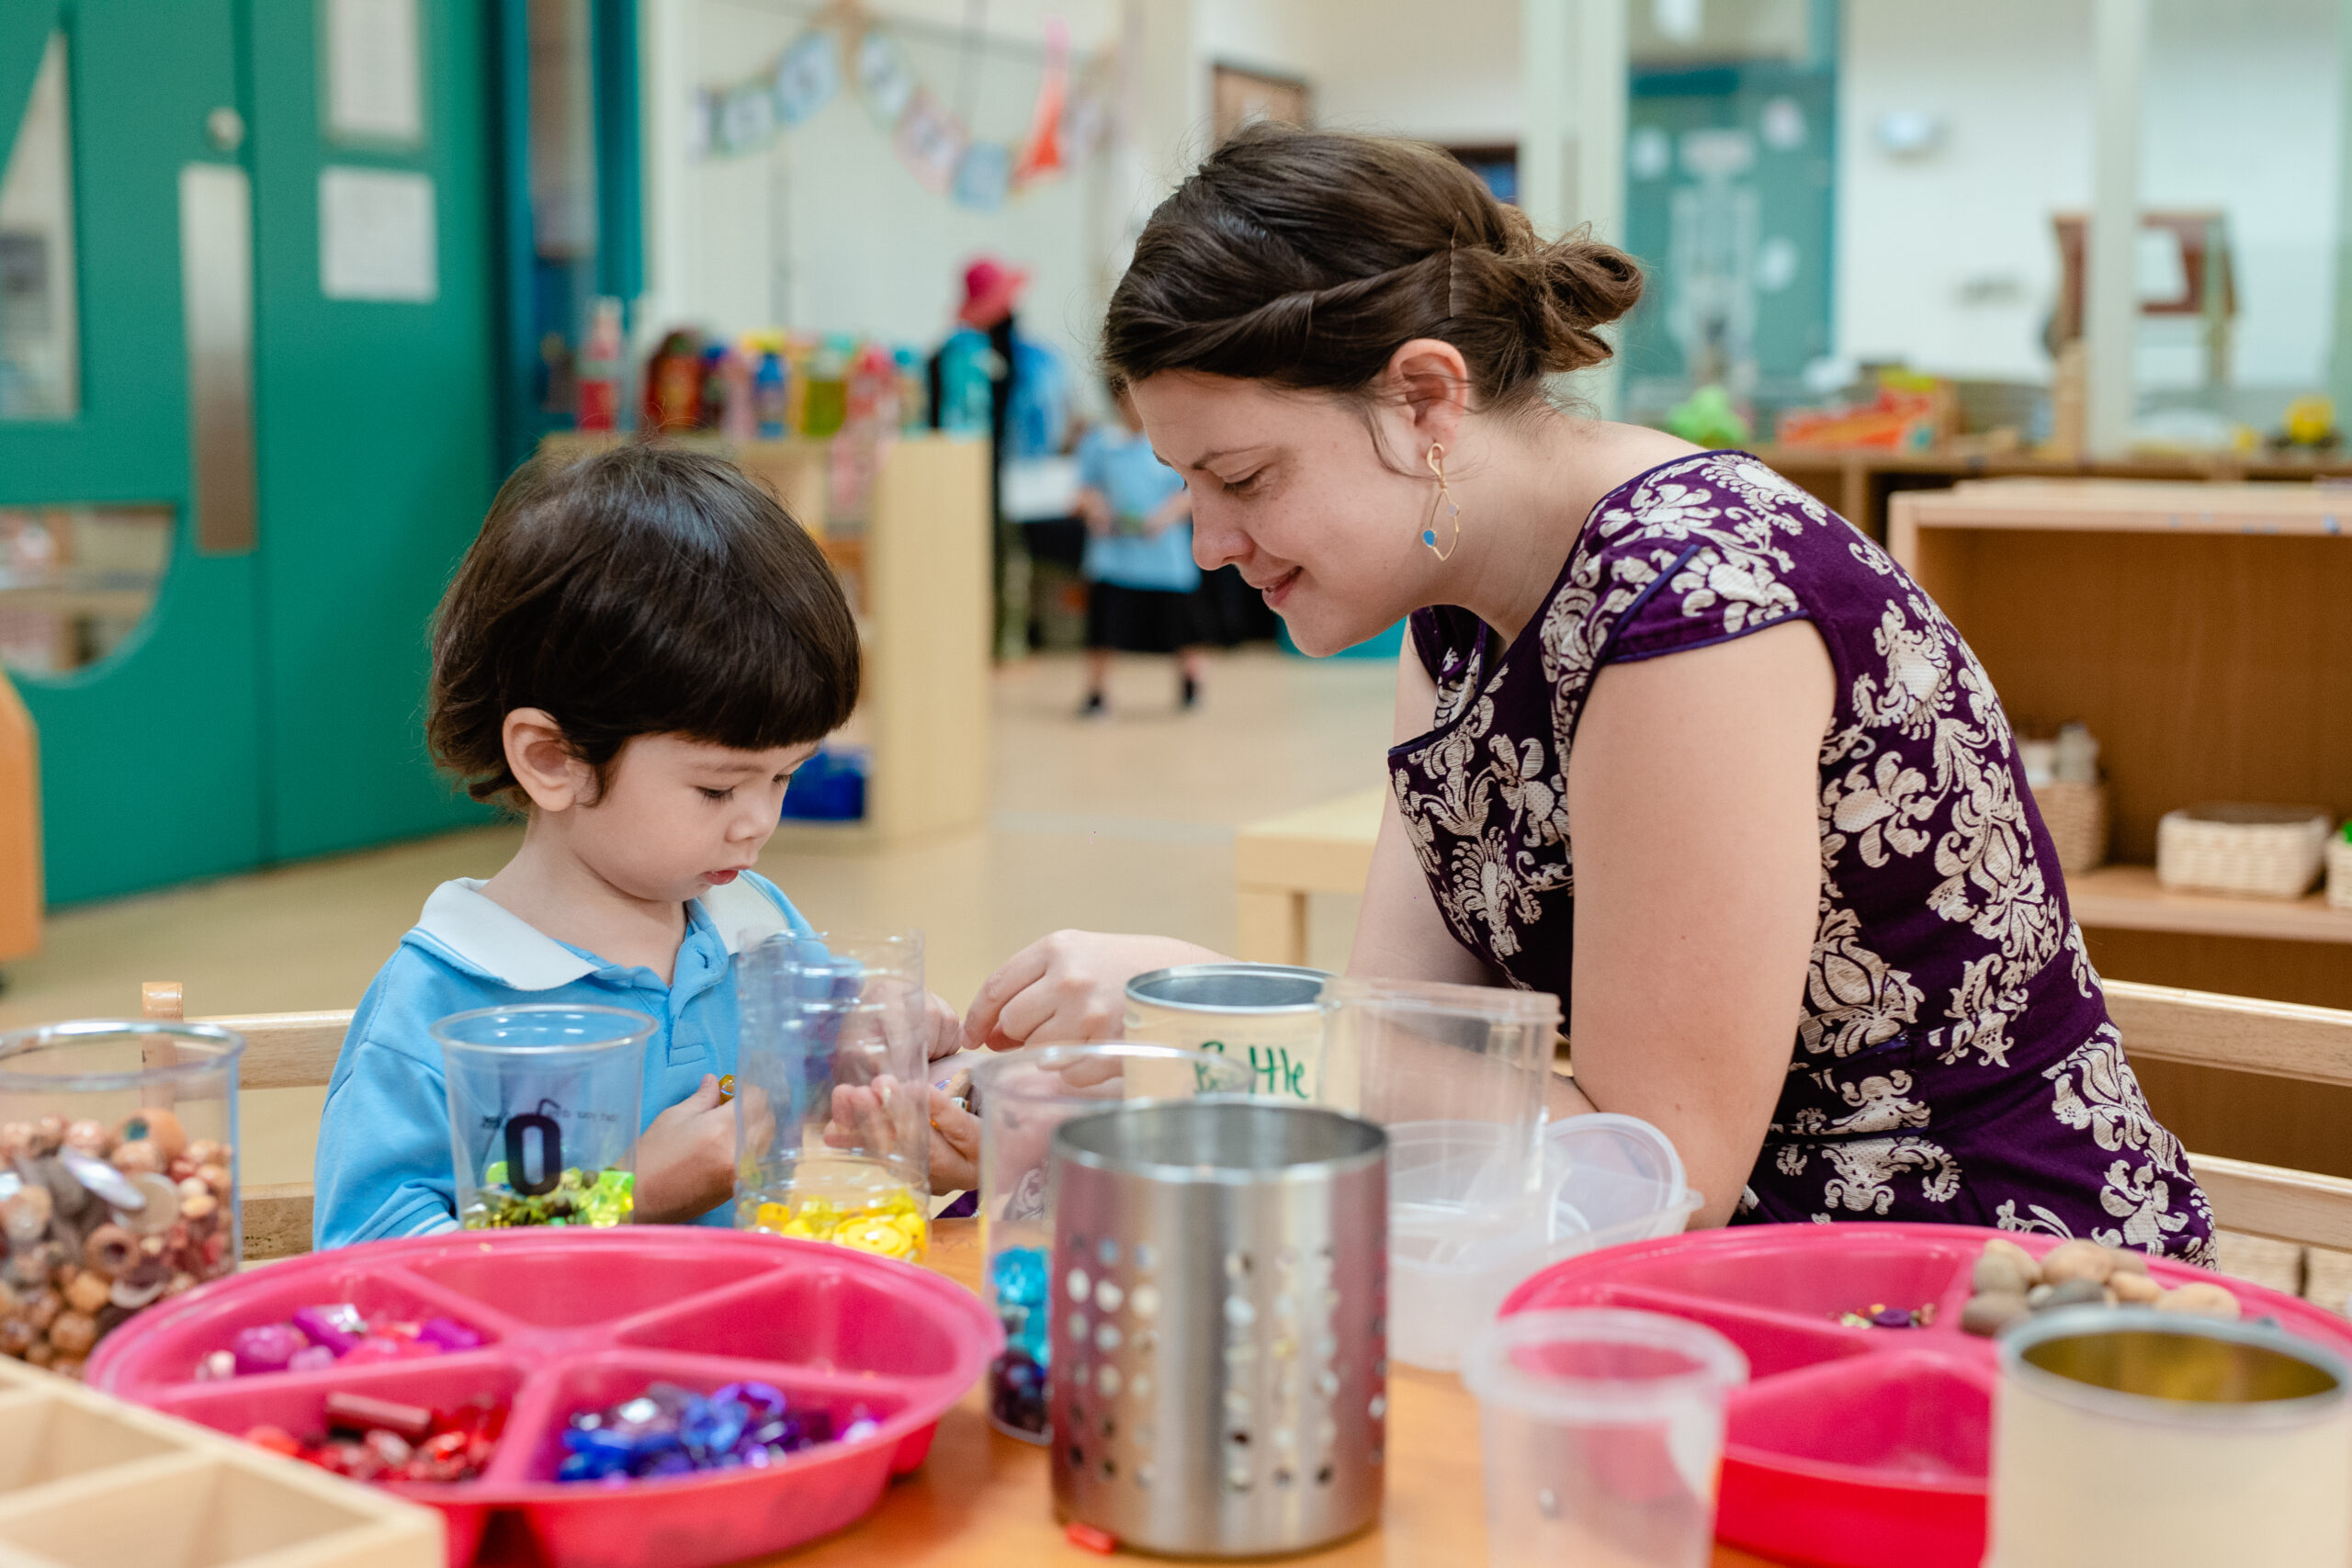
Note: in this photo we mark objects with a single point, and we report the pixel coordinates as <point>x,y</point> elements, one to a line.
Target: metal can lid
<point>1230,988</point>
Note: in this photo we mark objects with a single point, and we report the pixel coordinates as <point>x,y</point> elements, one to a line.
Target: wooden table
<point>983,1500</point>
<point>1279,864</point>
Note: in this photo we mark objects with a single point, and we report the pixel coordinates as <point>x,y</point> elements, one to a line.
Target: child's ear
<point>543,763</point>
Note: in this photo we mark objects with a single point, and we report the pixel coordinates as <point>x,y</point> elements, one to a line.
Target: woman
<point>1815,928</point>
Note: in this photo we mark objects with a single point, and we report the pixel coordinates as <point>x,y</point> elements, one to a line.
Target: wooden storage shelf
<point>1862,485</point>
<point>917,572</point>
<point>2127,897</point>
<point>2204,634</point>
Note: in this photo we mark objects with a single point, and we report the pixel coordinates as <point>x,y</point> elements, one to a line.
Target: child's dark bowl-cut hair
<point>637,590</point>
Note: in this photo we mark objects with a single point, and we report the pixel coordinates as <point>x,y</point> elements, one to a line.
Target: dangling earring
<point>1444,504</point>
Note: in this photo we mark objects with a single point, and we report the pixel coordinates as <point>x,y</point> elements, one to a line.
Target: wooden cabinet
<point>2204,634</point>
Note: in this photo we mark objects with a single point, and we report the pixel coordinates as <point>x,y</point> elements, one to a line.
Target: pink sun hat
<point>990,290</point>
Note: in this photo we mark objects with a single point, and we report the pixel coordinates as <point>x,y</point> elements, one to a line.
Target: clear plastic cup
<point>832,1091</point>
<point>545,1102</point>
<point>1022,1097</point>
<point>114,1136</point>
<point>1606,1180</point>
<point>1602,1433</point>
<point>1457,1076</point>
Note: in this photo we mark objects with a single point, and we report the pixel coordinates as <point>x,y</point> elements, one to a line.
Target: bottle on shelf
<point>602,362</point>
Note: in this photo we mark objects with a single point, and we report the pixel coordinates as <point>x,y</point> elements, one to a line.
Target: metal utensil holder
<point>1219,1377</point>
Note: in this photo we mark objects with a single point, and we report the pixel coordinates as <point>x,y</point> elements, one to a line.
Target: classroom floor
<point>1120,824</point>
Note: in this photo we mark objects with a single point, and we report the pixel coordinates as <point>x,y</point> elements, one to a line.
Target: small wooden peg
<point>162,999</point>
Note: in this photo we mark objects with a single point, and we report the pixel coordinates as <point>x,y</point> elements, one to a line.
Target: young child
<point>1142,594</point>
<point>637,652</point>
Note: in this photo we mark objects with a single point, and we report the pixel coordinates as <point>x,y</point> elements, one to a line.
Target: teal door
<point>244,434</point>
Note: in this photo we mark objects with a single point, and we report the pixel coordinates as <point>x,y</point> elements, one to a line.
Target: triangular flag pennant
<point>1041,150</point>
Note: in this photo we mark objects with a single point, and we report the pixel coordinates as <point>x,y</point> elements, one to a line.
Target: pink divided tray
<point>1856,1447</point>
<point>579,1320</point>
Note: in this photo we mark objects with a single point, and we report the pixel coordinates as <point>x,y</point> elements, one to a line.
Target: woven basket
<point>2339,871</point>
<point>2075,815</point>
<point>2271,851</point>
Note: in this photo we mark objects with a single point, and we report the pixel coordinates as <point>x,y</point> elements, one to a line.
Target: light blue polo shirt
<point>383,1164</point>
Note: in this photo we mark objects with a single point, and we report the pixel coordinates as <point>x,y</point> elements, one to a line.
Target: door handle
<point>216,308</point>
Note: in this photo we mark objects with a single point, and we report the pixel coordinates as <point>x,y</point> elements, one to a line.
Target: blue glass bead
<point>1018,1275</point>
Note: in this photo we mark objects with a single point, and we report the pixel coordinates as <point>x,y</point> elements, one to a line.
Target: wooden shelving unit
<point>917,570</point>
<point>2204,634</point>
<point>1862,485</point>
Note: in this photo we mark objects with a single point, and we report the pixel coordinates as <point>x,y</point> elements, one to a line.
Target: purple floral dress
<point>1953,1060</point>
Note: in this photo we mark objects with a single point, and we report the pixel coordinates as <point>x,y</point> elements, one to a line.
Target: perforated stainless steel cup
<point>1219,1375</point>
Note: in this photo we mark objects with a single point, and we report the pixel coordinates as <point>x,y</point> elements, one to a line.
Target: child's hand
<point>943,1026</point>
<point>686,1160</point>
<point>955,1146</point>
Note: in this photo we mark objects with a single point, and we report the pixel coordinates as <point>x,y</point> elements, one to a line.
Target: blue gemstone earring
<point>1442,504</point>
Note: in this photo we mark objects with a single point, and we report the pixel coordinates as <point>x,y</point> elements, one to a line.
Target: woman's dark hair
<point>639,591</point>
<point>1305,257</point>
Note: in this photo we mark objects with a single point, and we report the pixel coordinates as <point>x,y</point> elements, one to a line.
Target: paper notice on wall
<point>377,236</point>
<point>373,72</point>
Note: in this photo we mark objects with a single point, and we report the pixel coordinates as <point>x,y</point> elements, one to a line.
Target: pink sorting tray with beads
<point>580,1320</point>
<point>1851,1448</point>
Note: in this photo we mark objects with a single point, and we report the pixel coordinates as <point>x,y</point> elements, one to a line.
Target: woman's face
<point>1290,488</point>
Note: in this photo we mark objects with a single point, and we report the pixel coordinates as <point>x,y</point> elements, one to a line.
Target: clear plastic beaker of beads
<point>545,1102</point>
<point>1456,1075</point>
<point>118,1177</point>
<point>832,1092</point>
<point>1022,1096</point>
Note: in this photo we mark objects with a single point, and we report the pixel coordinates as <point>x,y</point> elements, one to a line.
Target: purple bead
<point>266,1348</point>
<point>336,1326</point>
<point>311,1358</point>
<point>764,1401</point>
<point>447,1332</point>
<point>1891,1317</point>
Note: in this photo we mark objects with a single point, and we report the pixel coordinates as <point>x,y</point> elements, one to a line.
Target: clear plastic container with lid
<point>544,1107</point>
<point>832,1092</point>
<point>118,1177</point>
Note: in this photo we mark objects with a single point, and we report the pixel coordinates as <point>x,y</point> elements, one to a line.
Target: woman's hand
<point>686,1158</point>
<point>1071,985</point>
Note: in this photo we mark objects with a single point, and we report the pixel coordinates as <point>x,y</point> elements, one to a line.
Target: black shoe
<point>1192,697</point>
<point>1093,708</point>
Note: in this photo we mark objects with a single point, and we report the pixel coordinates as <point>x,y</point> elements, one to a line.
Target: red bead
<point>1086,1538</point>
<point>360,1413</point>
<point>276,1439</point>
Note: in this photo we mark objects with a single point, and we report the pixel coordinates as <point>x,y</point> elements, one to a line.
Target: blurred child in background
<point>1142,585</point>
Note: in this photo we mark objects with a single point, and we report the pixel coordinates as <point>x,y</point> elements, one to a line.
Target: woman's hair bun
<point>1304,257</point>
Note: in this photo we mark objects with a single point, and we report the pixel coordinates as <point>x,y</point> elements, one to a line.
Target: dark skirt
<point>1141,620</point>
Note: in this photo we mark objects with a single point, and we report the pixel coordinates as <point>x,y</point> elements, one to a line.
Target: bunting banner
<point>1068,124</point>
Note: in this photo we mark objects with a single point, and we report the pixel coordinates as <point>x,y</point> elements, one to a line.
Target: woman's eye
<point>1243,485</point>
<point>709,793</point>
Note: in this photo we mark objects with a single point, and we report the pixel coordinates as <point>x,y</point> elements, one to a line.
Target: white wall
<point>1949,261</point>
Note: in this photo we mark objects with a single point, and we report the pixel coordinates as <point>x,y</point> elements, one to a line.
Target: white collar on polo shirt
<point>502,945</point>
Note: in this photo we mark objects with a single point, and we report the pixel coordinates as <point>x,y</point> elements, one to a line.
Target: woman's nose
<point>1216,544</point>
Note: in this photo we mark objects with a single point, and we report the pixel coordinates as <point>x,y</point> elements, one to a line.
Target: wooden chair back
<point>2245,1034</point>
<point>283,1050</point>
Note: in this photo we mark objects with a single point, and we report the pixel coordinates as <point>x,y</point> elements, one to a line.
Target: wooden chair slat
<point>277,1221</point>
<point>2265,1200</point>
<point>2244,1035</point>
<point>288,1050</point>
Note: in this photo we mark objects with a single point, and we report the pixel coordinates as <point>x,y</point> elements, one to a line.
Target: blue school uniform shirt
<point>1125,469</point>
<point>383,1163</point>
